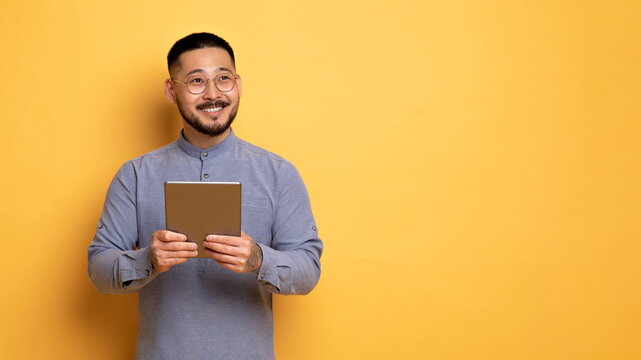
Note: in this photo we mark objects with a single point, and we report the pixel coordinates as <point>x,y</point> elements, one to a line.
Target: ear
<point>170,91</point>
<point>239,83</point>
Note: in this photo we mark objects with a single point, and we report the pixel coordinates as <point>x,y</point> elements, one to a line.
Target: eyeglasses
<point>197,84</point>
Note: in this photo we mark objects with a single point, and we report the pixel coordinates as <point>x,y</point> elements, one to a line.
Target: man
<point>218,307</point>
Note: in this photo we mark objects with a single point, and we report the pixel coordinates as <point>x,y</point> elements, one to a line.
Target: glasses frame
<point>235,76</point>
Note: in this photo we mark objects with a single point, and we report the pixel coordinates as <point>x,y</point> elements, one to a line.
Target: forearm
<point>114,271</point>
<point>294,272</point>
<point>115,265</point>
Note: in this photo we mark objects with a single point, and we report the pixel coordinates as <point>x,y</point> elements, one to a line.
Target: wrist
<point>255,258</point>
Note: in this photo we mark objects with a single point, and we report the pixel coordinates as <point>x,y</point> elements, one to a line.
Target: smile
<point>211,110</point>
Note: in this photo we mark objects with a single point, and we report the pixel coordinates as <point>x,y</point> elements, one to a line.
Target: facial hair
<point>213,129</point>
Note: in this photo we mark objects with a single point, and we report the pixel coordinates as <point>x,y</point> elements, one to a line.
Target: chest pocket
<point>256,217</point>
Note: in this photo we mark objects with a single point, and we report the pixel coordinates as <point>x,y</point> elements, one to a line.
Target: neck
<point>201,140</point>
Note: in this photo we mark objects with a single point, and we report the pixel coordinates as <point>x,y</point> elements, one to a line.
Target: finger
<point>176,245</point>
<point>162,257</point>
<point>171,262</point>
<point>235,268</point>
<point>180,254</point>
<point>222,248</point>
<point>162,254</point>
<point>224,239</point>
<point>229,240</point>
<point>224,258</point>
<point>232,263</point>
<point>166,235</point>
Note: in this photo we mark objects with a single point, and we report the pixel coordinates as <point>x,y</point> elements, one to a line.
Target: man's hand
<point>169,248</point>
<point>238,254</point>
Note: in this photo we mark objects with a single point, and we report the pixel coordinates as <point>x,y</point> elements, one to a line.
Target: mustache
<point>209,104</point>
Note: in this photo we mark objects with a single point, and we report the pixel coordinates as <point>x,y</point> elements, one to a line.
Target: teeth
<point>213,109</point>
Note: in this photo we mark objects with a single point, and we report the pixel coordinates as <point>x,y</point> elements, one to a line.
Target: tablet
<point>198,209</point>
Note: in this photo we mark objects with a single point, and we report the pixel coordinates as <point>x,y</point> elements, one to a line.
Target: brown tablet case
<point>198,209</point>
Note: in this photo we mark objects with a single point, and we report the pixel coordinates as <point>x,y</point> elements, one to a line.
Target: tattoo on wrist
<point>255,258</point>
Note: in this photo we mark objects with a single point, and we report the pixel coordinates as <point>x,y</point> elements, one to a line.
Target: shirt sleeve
<point>291,265</point>
<point>116,264</point>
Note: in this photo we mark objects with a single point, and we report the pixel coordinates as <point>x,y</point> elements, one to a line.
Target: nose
<point>211,92</point>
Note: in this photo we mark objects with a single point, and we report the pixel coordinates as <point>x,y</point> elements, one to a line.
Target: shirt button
<point>205,154</point>
<point>262,276</point>
<point>314,228</point>
<point>100,226</point>
<point>146,271</point>
<point>206,176</point>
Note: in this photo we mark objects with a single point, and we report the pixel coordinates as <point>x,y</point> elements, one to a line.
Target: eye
<point>225,76</point>
<point>196,80</point>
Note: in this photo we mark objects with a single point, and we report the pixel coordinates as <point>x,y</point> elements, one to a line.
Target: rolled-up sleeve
<point>116,264</point>
<point>291,265</point>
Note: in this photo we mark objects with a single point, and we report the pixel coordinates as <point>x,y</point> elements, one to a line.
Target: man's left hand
<point>238,254</point>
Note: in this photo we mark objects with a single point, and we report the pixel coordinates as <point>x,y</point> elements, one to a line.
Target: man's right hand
<point>170,248</point>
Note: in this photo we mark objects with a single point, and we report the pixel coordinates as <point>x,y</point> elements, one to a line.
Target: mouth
<point>212,107</point>
<point>211,110</point>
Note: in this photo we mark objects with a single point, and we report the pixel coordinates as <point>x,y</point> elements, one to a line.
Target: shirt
<point>198,309</point>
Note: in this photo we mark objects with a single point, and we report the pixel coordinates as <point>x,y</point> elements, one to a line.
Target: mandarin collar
<point>213,151</point>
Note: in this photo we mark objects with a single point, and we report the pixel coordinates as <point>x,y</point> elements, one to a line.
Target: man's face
<point>212,112</point>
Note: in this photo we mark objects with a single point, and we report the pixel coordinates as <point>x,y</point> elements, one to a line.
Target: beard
<point>213,129</point>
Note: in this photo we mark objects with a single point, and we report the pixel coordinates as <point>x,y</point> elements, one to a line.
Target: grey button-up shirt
<point>199,310</point>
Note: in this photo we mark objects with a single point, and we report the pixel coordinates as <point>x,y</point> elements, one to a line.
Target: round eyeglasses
<point>197,84</point>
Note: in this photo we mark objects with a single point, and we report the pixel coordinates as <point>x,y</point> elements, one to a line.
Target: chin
<point>211,127</point>
<point>208,126</point>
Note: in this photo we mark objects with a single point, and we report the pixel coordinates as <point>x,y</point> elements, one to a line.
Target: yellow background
<point>474,168</point>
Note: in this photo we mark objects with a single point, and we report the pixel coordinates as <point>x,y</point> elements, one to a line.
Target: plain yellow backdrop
<point>474,168</point>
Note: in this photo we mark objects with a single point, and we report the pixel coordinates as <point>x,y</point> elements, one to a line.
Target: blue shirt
<point>199,309</point>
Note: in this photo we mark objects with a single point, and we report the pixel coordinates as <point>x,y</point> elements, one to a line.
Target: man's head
<point>193,42</point>
<point>204,59</point>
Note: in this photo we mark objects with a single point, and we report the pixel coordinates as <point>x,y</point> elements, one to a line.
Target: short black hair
<point>197,41</point>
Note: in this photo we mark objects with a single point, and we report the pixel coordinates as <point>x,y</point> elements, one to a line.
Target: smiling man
<point>218,307</point>
<point>202,108</point>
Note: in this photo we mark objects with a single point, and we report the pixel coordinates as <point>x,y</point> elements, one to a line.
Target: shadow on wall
<point>111,320</point>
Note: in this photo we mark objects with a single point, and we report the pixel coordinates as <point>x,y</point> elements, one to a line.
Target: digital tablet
<point>198,209</point>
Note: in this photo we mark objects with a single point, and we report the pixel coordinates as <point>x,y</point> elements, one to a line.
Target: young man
<point>218,307</point>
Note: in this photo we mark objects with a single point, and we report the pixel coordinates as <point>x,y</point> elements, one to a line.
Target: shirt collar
<point>215,150</point>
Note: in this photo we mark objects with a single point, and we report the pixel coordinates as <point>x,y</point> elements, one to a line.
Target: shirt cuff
<point>135,265</point>
<point>268,273</point>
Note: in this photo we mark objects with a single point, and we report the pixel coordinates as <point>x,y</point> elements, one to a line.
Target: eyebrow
<point>201,70</point>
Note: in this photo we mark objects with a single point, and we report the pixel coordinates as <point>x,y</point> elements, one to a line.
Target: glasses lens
<point>225,81</point>
<point>196,84</point>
